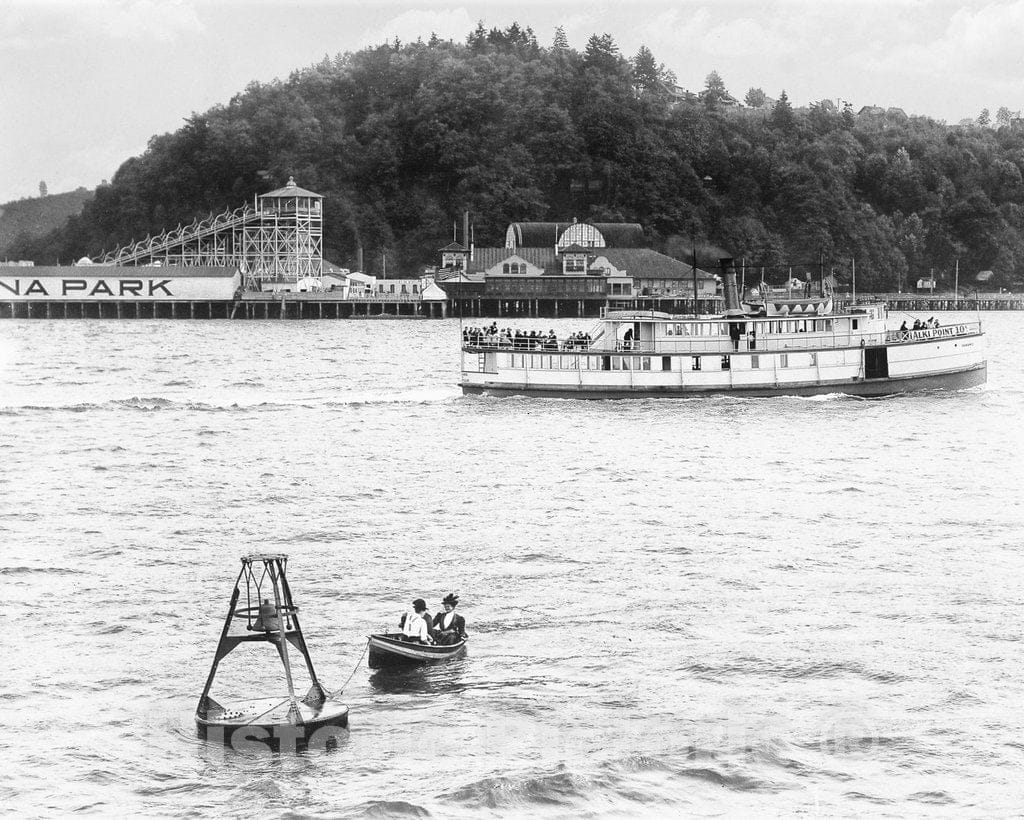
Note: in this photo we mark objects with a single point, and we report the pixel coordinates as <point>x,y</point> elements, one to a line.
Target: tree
<point>1005,117</point>
<point>823,115</point>
<point>645,71</point>
<point>561,42</point>
<point>782,113</point>
<point>715,93</point>
<point>755,98</point>
<point>42,188</point>
<point>477,39</point>
<point>984,118</point>
<point>602,53</point>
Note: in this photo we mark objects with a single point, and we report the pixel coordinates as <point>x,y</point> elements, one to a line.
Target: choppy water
<point>711,606</point>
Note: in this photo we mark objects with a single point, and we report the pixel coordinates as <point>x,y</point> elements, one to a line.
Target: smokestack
<point>465,229</point>
<point>732,297</point>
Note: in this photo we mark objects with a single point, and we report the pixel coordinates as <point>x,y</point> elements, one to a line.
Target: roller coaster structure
<point>276,243</point>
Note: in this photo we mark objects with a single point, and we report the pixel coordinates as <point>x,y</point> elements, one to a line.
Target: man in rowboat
<point>415,625</point>
<point>449,628</point>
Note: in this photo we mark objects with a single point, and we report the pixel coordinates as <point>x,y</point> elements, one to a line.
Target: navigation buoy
<point>282,722</point>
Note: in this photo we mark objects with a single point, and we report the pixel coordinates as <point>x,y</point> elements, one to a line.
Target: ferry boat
<point>775,345</point>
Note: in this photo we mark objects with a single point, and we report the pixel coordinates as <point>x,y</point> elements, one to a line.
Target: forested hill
<point>402,138</point>
<point>26,220</point>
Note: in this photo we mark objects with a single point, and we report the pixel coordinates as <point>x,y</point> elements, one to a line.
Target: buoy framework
<point>271,616</point>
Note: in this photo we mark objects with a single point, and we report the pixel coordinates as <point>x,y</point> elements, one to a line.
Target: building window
<point>581,234</point>
<point>506,268</point>
<point>755,362</point>
<point>392,289</point>
<point>814,360</point>
<point>666,362</point>
<point>575,264</point>
<point>726,363</point>
<point>784,360</point>
<point>645,363</point>
<point>415,288</point>
<point>695,363</point>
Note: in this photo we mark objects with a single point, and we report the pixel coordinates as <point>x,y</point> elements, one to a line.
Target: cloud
<point>30,25</point>
<point>980,42</point>
<point>161,20</point>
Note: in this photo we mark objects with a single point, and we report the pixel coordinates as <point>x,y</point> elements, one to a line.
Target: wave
<point>504,792</point>
<point>147,404</point>
<point>824,669</point>
<point>40,570</point>
<point>387,808</point>
<point>423,395</point>
<point>151,404</point>
<point>566,789</point>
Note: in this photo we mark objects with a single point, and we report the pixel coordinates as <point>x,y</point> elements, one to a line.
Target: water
<point>712,606</point>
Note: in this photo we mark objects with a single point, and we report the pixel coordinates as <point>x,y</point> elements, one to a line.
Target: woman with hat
<point>449,627</point>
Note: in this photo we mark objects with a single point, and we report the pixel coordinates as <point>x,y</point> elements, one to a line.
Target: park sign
<point>107,283</point>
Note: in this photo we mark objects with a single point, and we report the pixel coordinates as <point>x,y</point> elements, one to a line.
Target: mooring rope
<point>354,670</point>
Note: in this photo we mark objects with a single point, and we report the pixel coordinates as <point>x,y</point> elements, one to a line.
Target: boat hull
<point>390,652</point>
<point>960,379</point>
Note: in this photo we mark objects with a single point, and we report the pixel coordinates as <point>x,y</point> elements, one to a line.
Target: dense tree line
<point>401,138</point>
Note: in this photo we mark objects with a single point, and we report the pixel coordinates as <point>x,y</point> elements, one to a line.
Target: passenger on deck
<point>415,625</point>
<point>449,628</point>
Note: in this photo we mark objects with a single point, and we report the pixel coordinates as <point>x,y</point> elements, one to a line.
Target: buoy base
<point>271,725</point>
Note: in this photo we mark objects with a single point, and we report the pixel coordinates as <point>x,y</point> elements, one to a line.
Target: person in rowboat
<point>449,627</point>
<point>415,625</point>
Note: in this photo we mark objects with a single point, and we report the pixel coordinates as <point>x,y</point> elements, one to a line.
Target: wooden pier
<point>278,306</point>
<point>249,306</point>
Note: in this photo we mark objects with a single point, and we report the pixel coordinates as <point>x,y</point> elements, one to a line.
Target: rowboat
<point>387,650</point>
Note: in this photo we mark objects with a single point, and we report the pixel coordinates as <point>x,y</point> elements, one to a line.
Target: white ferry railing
<point>766,343</point>
<point>940,332</point>
<point>562,346</point>
<point>696,345</point>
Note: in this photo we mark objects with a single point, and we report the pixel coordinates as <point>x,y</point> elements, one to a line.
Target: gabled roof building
<point>574,260</point>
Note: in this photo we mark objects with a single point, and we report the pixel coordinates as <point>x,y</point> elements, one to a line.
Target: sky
<point>84,84</point>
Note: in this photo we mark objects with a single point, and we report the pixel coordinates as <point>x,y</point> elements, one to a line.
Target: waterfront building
<point>571,261</point>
